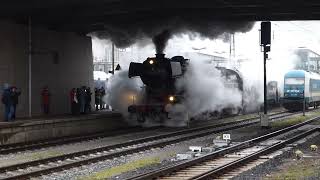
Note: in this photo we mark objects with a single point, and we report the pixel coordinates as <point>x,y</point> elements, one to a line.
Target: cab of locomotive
<point>294,89</point>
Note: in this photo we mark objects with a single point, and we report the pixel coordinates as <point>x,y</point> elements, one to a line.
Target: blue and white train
<point>300,85</point>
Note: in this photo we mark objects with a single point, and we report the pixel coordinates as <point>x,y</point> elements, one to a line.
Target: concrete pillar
<point>60,60</point>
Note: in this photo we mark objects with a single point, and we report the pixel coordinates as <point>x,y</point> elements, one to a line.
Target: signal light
<point>171,98</point>
<point>151,61</point>
<point>265,33</point>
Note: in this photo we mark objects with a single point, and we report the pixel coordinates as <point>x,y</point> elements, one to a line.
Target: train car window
<point>314,86</point>
<point>294,81</point>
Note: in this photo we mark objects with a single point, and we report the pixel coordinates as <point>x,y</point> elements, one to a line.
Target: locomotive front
<point>160,95</point>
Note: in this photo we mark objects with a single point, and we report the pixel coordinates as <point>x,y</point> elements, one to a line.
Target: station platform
<point>46,127</point>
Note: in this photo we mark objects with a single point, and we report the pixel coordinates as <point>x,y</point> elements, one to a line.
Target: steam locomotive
<point>162,100</point>
<point>159,75</point>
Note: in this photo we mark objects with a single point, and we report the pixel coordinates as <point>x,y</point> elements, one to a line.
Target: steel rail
<point>19,147</point>
<point>221,170</point>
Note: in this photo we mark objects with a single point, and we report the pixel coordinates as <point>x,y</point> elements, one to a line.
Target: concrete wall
<point>73,68</point>
<point>26,131</point>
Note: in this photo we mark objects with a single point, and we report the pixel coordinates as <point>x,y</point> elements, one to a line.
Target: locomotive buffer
<point>265,43</point>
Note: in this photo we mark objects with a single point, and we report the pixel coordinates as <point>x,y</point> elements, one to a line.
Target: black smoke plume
<point>160,41</point>
<point>128,30</point>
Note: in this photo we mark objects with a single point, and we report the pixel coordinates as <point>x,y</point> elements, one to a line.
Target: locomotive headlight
<point>171,98</point>
<point>133,99</point>
<point>151,61</point>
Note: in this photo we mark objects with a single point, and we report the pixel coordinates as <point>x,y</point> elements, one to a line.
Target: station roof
<point>85,16</point>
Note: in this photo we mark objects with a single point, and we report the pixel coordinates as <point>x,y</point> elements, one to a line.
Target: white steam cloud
<point>206,89</point>
<point>122,91</point>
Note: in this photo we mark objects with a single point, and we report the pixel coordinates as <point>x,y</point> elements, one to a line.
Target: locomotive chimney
<point>160,56</point>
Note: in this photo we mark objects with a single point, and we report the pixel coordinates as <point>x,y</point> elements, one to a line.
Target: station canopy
<point>84,16</point>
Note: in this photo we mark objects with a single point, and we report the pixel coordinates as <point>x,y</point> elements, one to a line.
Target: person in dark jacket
<point>78,90</point>
<point>15,93</point>
<point>88,99</point>
<point>96,98</point>
<point>6,101</point>
<point>82,99</point>
<point>102,94</point>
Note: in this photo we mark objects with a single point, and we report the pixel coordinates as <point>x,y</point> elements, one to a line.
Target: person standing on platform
<point>96,98</point>
<point>78,98</point>
<point>102,94</point>
<point>73,101</point>
<point>88,99</point>
<point>82,99</point>
<point>45,100</point>
<point>6,101</point>
<point>15,93</point>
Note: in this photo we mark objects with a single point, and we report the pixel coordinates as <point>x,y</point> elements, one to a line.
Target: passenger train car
<point>300,85</point>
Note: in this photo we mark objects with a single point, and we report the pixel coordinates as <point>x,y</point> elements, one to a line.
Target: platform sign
<point>226,136</point>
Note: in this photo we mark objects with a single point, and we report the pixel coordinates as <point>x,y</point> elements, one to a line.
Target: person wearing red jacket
<point>45,100</point>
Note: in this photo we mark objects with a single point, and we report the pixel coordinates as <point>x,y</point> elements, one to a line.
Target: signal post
<point>265,43</point>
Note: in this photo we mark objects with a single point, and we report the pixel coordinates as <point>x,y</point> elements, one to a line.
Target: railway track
<point>19,147</point>
<point>33,145</point>
<point>226,163</point>
<point>58,163</point>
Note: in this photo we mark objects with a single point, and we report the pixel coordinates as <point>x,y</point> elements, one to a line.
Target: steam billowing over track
<point>161,27</point>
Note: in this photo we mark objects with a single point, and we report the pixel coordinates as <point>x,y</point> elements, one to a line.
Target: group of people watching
<point>99,94</point>
<point>80,100</point>
<point>10,97</point>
